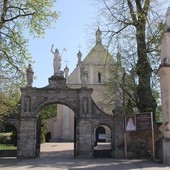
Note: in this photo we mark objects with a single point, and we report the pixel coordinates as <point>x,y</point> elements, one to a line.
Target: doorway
<point>102,141</point>
<point>58,131</point>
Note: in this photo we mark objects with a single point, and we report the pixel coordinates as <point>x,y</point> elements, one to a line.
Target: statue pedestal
<point>60,74</point>
<point>57,81</point>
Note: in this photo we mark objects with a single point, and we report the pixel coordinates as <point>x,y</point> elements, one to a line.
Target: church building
<point>91,72</point>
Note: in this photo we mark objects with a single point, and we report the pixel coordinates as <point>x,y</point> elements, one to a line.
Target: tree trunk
<point>146,101</point>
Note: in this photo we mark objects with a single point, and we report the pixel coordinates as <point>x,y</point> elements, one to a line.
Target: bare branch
<point>132,12</point>
<point>4,11</point>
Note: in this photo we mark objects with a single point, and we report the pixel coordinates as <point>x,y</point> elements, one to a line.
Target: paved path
<point>58,156</point>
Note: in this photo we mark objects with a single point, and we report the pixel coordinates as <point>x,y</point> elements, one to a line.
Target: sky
<point>72,30</point>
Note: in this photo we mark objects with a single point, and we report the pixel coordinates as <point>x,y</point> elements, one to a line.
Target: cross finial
<point>79,47</point>
<point>66,61</point>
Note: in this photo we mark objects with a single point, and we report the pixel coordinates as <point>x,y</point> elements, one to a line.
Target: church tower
<point>164,74</point>
<point>79,56</point>
<point>98,36</point>
<point>66,71</point>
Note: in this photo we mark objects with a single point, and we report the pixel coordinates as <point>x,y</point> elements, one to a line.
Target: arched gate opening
<point>58,131</point>
<point>103,141</point>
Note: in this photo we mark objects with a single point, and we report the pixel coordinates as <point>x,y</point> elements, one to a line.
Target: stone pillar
<point>27,138</point>
<point>85,139</point>
<point>27,143</point>
<point>118,135</point>
<point>164,74</point>
<point>85,135</point>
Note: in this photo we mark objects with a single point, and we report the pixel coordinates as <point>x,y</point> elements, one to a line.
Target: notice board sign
<point>144,121</point>
<point>130,123</point>
<point>138,122</point>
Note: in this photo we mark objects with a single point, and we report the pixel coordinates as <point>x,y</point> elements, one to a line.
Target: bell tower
<point>98,36</point>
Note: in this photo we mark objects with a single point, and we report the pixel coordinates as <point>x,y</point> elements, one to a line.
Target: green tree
<point>16,16</point>
<point>138,27</point>
<point>18,19</point>
<point>49,111</point>
<point>9,104</point>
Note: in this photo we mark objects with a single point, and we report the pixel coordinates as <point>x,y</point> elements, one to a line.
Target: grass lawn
<point>6,134</point>
<point>7,147</point>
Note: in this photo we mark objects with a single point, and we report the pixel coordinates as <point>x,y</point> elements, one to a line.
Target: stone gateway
<point>88,117</point>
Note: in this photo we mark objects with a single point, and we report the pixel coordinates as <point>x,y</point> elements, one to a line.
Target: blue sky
<point>73,28</point>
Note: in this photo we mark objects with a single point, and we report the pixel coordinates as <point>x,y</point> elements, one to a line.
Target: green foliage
<point>17,17</point>
<point>158,114</point>
<point>9,135</point>
<point>137,28</point>
<point>5,138</point>
<point>9,104</point>
<point>17,20</point>
<point>43,132</point>
<point>49,111</point>
<point>8,138</point>
<point>129,107</point>
<point>7,147</point>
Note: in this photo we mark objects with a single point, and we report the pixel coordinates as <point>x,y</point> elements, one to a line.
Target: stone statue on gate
<point>56,61</point>
<point>30,74</point>
<point>83,75</point>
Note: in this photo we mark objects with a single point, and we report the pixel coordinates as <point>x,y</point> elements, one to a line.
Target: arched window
<point>99,77</point>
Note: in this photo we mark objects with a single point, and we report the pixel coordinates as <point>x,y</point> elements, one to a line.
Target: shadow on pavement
<point>61,157</point>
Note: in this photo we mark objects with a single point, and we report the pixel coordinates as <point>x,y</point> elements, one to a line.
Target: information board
<point>130,123</point>
<point>143,121</point>
<point>138,122</point>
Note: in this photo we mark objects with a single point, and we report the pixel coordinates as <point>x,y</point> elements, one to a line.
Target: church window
<point>99,77</point>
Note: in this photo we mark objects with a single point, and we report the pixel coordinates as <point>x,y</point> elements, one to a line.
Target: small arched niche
<point>102,141</point>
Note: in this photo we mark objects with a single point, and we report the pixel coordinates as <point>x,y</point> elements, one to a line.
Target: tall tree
<point>16,16</point>
<point>8,104</point>
<point>18,19</point>
<point>138,27</point>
